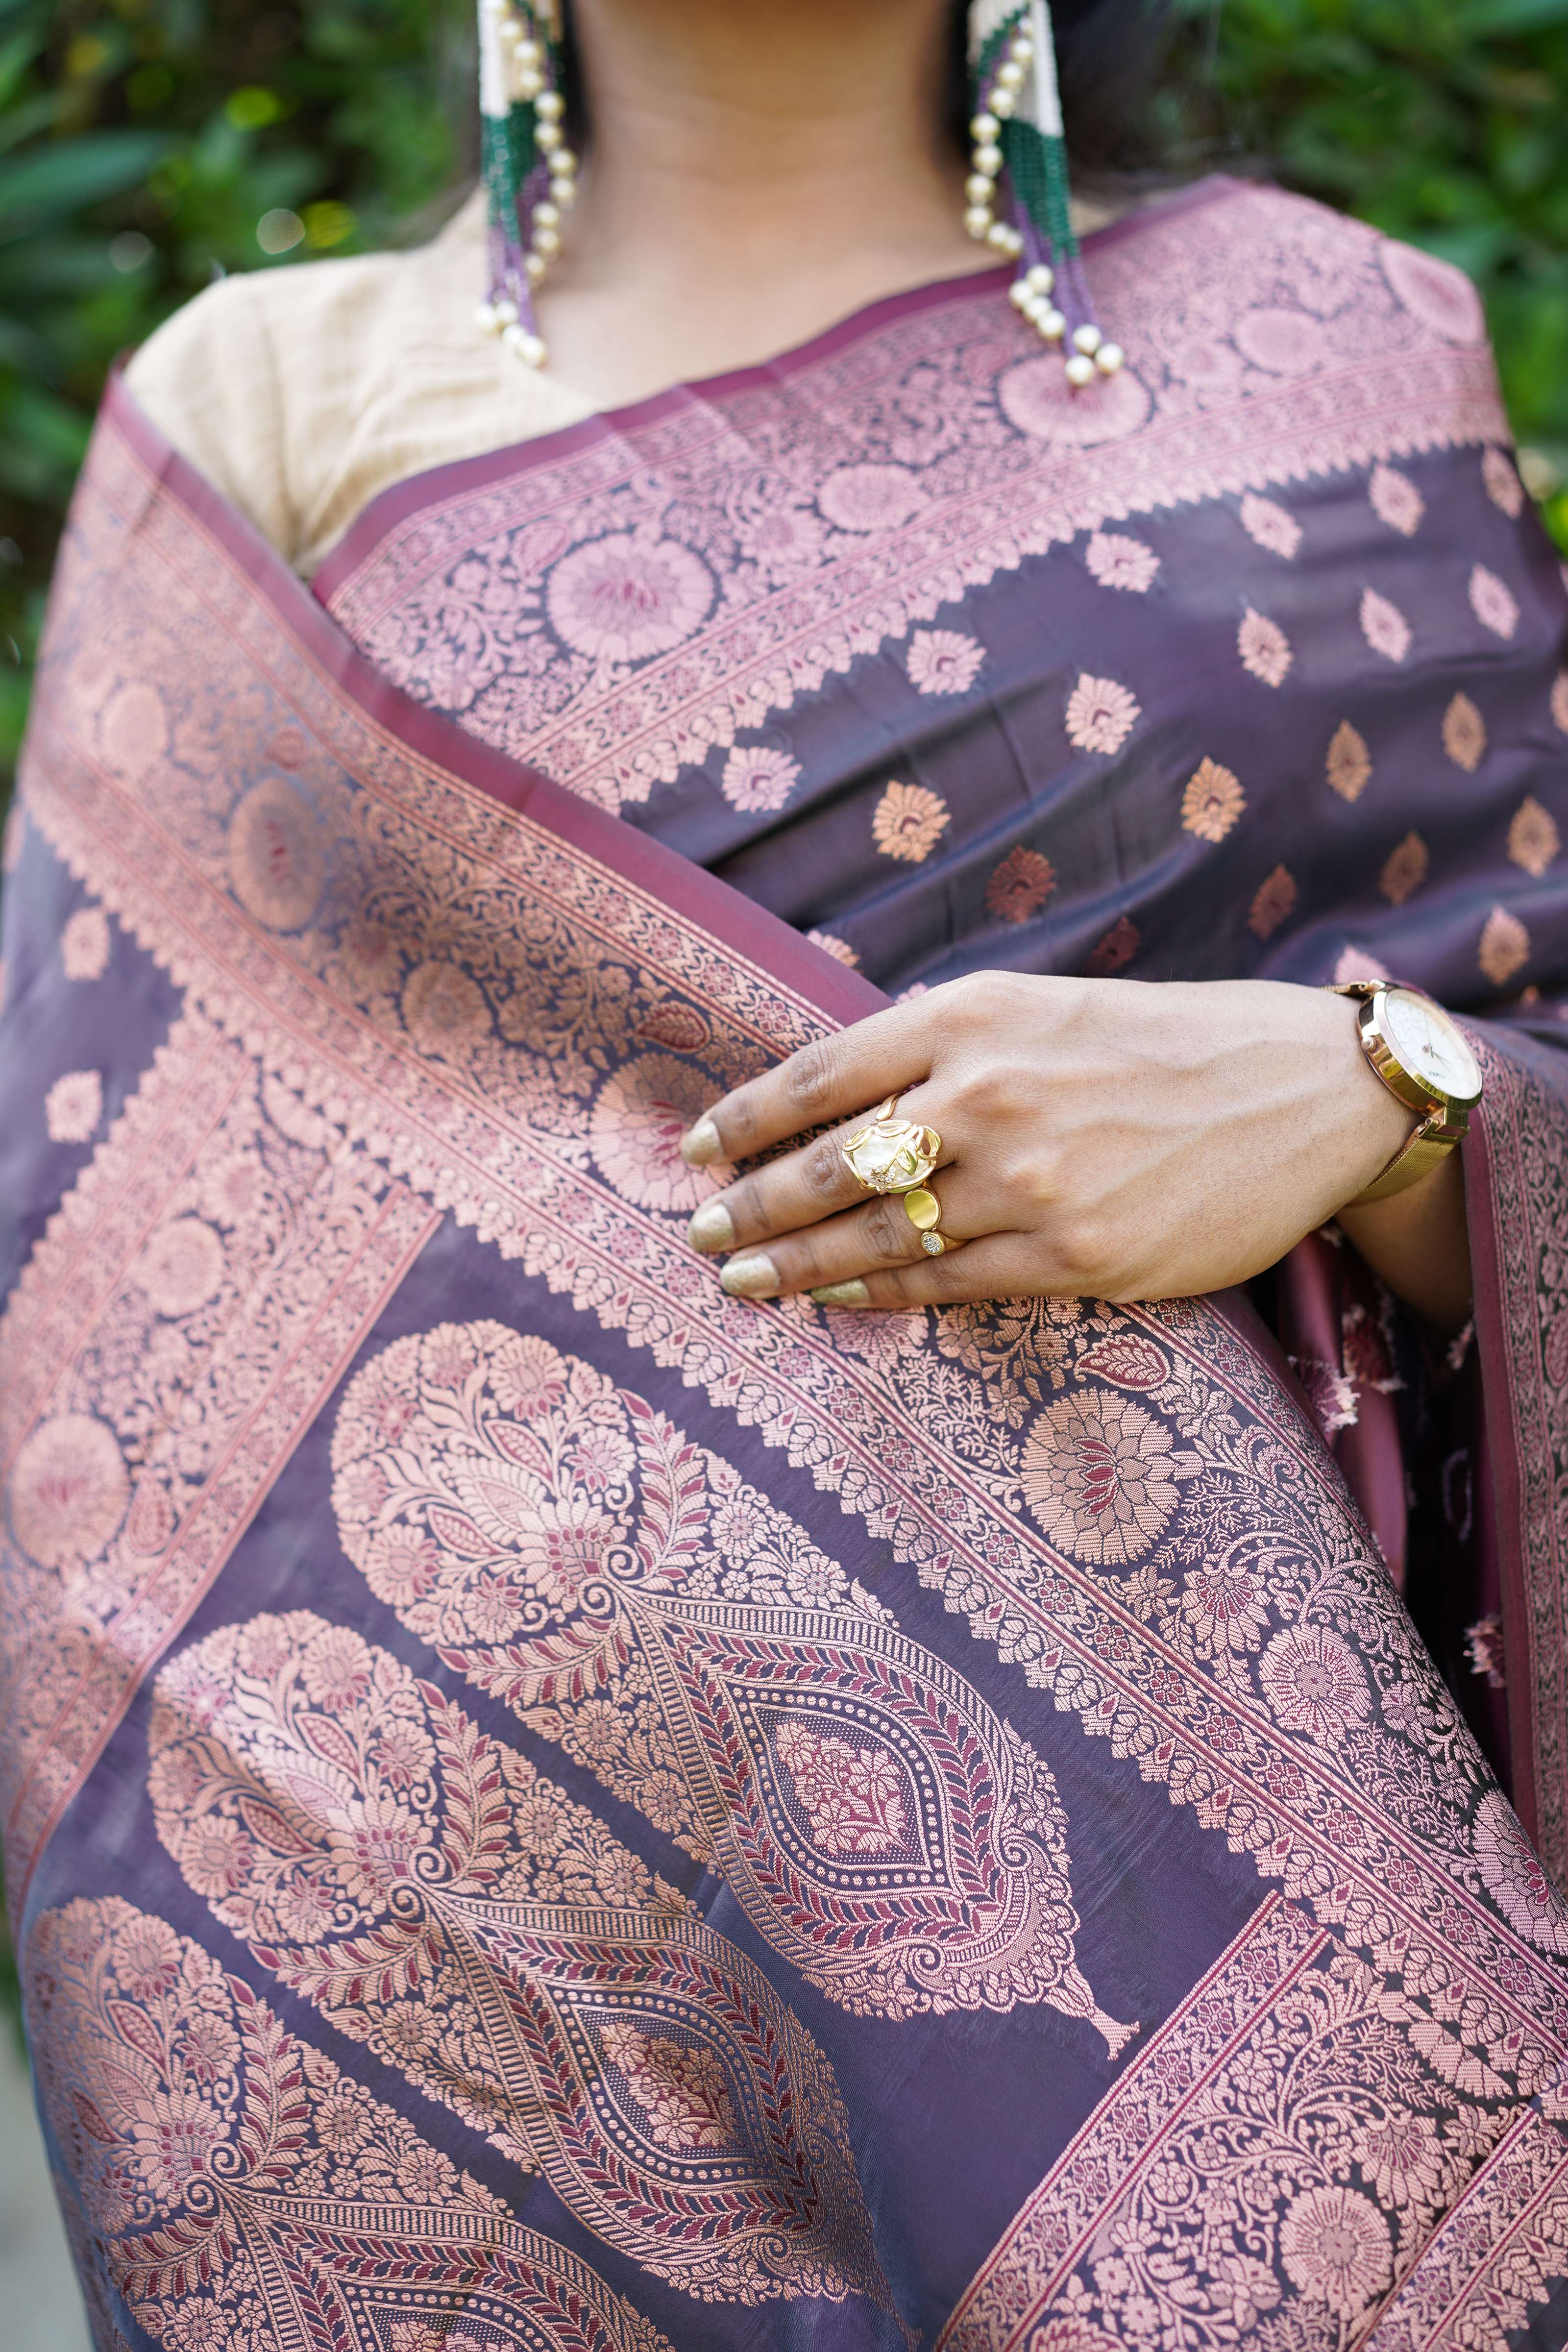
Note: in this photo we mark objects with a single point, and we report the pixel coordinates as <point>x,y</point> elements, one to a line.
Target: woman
<point>560,1797</point>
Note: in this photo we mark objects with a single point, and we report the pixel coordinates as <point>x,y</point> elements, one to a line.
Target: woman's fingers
<point>832,1079</point>
<point>995,1266</point>
<point>878,1234</point>
<point>801,1189</point>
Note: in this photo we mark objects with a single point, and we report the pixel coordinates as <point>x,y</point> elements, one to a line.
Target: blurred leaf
<point>76,174</point>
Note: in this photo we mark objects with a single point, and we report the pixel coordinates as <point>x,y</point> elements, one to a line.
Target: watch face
<point>1429,1047</point>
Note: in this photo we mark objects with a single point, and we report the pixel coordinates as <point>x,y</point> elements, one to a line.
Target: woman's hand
<point>1100,1138</point>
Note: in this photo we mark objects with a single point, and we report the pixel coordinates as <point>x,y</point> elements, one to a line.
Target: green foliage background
<point>143,142</point>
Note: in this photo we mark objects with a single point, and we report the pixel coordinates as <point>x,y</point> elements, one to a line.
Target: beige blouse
<point>301,393</point>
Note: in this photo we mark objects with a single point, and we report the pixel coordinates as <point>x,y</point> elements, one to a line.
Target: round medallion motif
<point>637,1125</point>
<point>275,862</point>
<point>182,1266</point>
<point>1036,398</point>
<point>623,599</point>
<point>68,1491</point>
<point>1434,291</point>
<point>1097,1474</point>
<point>869,496</point>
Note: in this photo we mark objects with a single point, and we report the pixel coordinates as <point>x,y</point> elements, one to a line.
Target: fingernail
<point>699,1145</point>
<point>711,1229</point>
<point>842,1294</point>
<point>751,1278</point>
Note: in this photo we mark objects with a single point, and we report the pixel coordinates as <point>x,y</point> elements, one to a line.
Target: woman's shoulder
<point>265,379</point>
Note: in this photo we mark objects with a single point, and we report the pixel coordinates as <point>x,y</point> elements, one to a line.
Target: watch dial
<point>1430,1046</point>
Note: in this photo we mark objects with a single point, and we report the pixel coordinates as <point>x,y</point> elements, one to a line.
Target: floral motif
<point>831,944</point>
<point>1534,840</point>
<point>276,864</point>
<point>870,497</point>
<point>1464,734</point>
<point>74,1107</point>
<point>1020,885</point>
<point>1384,626</point>
<point>1115,951</point>
<point>84,944</point>
<point>1404,869</point>
<point>68,1491</point>
<point>1395,500</point>
<point>943,661</point>
<point>1336,2247</point>
<point>1515,1878</point>
<point>1118,560</point>
<point>1264,647</point>
<point>216,2152</point>
<point>446,1909</point>
<point>182,1266</point>
<point>623,1592</point>
<point>1273,903</point>
<point>443,1010</point>
<point>1349,763</point>
<point>1494,605</point>
<point>1504,487</point>
<point>624,598</point>
<point>1100,1474</point>
<point>1100,715</point>
<point>639,1118</point>
<point>759,778</point>
<point>908,822</point>
<point>1315,1682</point>
<point>1271,524</point>
<point>1504,946</point>
<point>1212,801</point>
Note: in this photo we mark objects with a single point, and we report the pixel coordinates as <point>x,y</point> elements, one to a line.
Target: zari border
<point>777,1369</point>
<point>1125,2135</point>
<point>1516,1186</point>
<point>1504,2241</point>
<point>74,1272</point>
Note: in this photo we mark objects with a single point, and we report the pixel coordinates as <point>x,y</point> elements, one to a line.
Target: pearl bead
<point>526,85</point>
<point>1000,236</point>
<point>531,55</point>
<point>983,129</point>
<point>1053,326</point>
<point>536,266</point>
<point>546,216</point>
<point>485,319</point>
<point>1010,76</point>
<point>546,241</point>
<point>547,138</point>
<point>552,106</point>
<point>1041,278</point>
<point>1020,297</point>
<point>1023,50</point>
<point>563,162</point>
<point>1086,339</point>
<point>563,191</point>
<point>1109,359</point>
<point>977,220</point>
<point>529,348</point>
<point>977,188</point>
<point>506,311</point>
<point>508,32</point>
<point>988,159</point>
<point>1081,369</point>
<point>1004,102</point>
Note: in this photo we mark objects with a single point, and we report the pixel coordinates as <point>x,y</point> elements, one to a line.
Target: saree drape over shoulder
<point>550,1809</point>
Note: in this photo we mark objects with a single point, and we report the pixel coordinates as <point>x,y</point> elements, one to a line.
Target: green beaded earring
<point>1020,154</point>
<point>530,172</point>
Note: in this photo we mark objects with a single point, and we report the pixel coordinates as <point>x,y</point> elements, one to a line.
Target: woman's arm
<point>1111,1139</point>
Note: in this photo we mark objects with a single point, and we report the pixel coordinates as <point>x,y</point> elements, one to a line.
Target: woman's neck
<point>758,169</point>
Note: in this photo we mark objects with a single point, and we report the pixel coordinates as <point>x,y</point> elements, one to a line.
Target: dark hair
<point>1108,53</point>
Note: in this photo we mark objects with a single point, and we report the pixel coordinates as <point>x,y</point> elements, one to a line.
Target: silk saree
<point>550,1809</point>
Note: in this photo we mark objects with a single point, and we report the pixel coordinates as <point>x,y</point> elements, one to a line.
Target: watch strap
<point>1425,1151</point>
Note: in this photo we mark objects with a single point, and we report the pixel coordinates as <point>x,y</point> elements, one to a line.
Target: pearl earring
<point>1017,135</point>
<point>530,172</point>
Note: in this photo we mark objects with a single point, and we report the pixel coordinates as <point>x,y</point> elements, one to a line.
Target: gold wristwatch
<point>1423,1058</point>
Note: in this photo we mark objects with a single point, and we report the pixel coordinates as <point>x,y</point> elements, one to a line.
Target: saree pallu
<point>548,1808</point>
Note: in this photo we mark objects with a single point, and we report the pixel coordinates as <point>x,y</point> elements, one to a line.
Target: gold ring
<point>923,1211</point>
<point>888,1154</point>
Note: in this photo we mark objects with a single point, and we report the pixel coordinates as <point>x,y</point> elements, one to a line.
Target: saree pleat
<point>547,1806</point>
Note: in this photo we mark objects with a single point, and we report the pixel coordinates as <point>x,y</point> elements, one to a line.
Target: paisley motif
<point>230,2174</point>
<point>567,1549</point>
<point>442,1902</point>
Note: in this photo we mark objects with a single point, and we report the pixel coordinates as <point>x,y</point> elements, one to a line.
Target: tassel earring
<point>530,172</point>
<point>1019,142</point>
